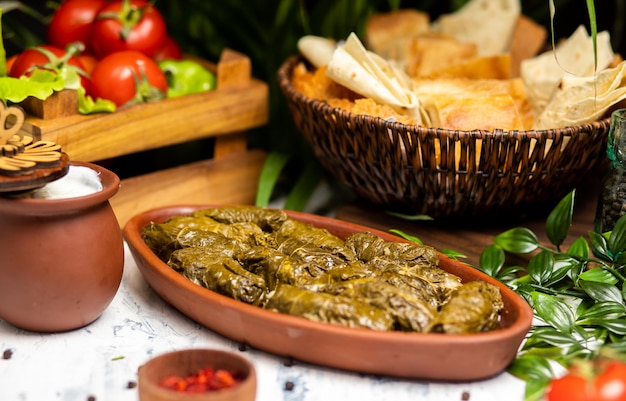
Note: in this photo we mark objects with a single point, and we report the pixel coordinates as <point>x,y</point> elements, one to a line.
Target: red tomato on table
<point>128,25</point>
<point>127,78</point>
<point>608,383</point>
<point>32,58</point>
<point>169,50</point>
<point>72,22</point>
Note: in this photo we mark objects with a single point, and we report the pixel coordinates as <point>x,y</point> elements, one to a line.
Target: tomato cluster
<point>599,381</point>
<point>115,45</point>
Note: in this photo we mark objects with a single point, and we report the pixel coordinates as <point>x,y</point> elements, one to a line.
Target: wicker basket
<point>438,172</point>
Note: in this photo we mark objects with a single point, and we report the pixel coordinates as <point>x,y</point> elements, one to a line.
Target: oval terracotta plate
<point>411,355</point>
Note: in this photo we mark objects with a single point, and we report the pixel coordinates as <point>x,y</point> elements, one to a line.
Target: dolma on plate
<point>219,273</point>
<point>185,231</point>
<point>474,307</point>
<point>319,260</point>
<point>277,268</point>
<point>328,308</point>
<point>367,246</point>
<point>409,312</point>
<point>306,234</point>
<point>267,219</point>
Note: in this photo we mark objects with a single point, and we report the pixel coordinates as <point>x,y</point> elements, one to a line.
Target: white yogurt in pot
<point>79,181</point>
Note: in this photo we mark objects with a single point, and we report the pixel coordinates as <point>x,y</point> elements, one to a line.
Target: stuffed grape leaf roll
<point>268,220</point>
<point>328,308</point>
<point>474,307</point>
<point>409,312</point>
<point>219,273</point>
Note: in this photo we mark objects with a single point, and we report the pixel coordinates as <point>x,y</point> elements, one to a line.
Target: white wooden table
<point>99,362</point>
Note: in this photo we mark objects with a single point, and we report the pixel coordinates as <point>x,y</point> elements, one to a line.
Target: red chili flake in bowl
<point>207,379</point>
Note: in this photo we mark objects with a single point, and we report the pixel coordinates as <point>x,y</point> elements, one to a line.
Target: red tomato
<point>570,387</point>
<point>169,50</point>
<point>607,384</point>
<point>32,58</point>
<point>10,62</point>
<point>127,78</point>
<point>610,385</point>
<point>88,61</point>
<point>72,22</point>
<point>128,25</point>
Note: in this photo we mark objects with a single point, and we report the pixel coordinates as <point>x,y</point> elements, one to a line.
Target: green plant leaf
<point>559,220</point>
<point>406,236</point>
<point>598,275</point>
<point>616,326</point>
<point>599,245</point>
<point>273,165</point>
<point>409,217</point>
<point>579,249</point>
<point>550,336</point>
<point>528,367</point>
<point>600,310</point>
<point>540,267</point>
<point>518,240</point>
<point>601,292</point>
<point>451,253</point>
<point>553,311</point>
<point>562,267</point>
<point>617,238</point>
<point>491,260</point>
<point>306,184</point>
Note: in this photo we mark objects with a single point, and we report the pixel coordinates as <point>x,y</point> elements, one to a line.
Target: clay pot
<point>188,362</point>
<point>61,260</point>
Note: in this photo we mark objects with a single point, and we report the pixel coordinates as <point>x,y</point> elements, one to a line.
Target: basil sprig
<point>577,293</point>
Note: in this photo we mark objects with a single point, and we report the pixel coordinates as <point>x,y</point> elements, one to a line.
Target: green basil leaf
<point>563,265</point>
<point>607,310</point>
<point>510,271</point>
<point>553,311</point>
<point>560,220</point>
<point>617,239</point>
<point>551,336</point>
<point>451,253</point>
<point>305,185</point>
<point>527,367</point>
<point>517,240</point>
<point>491,260</point>
<point>619,345</point>
<point>270,172</point>
<point>620,259</point>
<point>535,389</point>
<point>617,326</point>
<point>540,267</point>
<point>598,275</point>
<point>406,236</point>
<point>579,249</point>
<point>599,246</point>
<point>601,292</point>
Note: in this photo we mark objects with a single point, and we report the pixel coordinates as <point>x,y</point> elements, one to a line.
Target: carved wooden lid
<point>25,163</point>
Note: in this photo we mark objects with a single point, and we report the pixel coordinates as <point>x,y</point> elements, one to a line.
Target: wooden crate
<point>239,103</point>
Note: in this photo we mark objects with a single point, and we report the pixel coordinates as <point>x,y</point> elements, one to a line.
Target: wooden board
<point>238,103</point>
<point>231,179</point>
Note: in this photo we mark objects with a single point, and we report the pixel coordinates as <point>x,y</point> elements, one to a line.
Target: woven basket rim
<point>284,80</point>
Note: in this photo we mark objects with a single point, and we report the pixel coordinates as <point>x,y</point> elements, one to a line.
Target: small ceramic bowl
<point>188,362</point>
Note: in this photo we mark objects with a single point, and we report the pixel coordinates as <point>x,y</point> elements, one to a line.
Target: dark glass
<point>612,197</point>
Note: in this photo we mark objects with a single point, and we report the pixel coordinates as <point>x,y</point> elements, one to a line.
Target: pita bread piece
<point>573,56</point>
<point>369,75</point>
<point>487,23</point>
